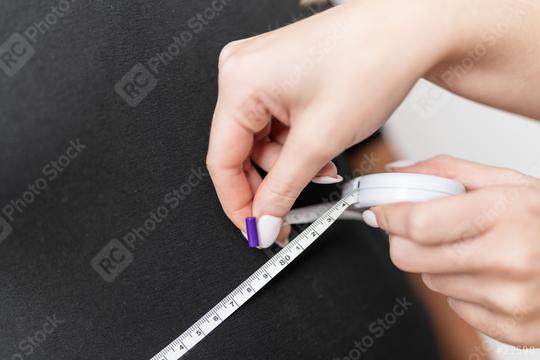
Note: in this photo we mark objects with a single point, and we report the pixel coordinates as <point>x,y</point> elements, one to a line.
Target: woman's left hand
<point>481,249</point>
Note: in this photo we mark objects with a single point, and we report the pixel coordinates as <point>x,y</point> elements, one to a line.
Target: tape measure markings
<point>255,282</point>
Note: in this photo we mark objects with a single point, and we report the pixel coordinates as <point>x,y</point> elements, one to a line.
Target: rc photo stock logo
<point>112,260</point>
<point>5,229</point>
<point>15,53</point>
<point>17,50</point>
<point>135,85</point>
<point>141,79</point>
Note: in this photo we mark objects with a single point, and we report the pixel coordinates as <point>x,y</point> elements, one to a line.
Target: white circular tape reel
<point>381,189</point>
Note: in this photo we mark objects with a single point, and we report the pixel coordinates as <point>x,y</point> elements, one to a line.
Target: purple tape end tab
<point>252,234</point>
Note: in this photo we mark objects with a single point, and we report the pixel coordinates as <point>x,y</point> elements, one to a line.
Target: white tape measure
<point>213,318</point>
<point>377,189</point>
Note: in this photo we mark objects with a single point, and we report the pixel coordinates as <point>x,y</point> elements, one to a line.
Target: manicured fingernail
<point>284,233</point>
<point>399,164</point>
<point>452,303</point>
<point>282,243</point>
<point>252,235</point>
<point>324,180</point>
<point>269,227</point>
<point>370,218</point>
<point>426,278</point>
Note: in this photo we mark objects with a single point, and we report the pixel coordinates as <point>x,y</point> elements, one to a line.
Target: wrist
<point>479,37</point>
<point>418,34</point>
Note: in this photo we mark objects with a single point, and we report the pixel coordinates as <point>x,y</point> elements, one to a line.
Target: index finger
<point>230,146</point>
<point>443,220</point>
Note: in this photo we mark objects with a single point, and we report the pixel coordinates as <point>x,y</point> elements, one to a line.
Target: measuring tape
<point>239,296</point>
<point>363,192</point>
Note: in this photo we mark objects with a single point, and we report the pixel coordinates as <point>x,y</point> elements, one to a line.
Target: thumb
<point>471,174</point>
<point>302,157</point>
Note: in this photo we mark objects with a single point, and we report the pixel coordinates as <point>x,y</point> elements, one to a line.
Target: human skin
<point>292,99</point>
<point>463,341</point>
<point>480,249</point>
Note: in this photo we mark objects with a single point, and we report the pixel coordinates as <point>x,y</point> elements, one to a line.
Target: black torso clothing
<point>113,239</point>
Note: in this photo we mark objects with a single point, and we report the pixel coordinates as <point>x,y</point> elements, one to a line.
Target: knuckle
<point>234,62</point>
<point>226,52</point>
<point>519,266</point>
<point>443,164</point>
<point>281,193</point>
<point>511,302</point>
<point>253,113</point>
<point>211,165</point>
<point>228,71</point>
<point>311,147</point>
<point>417,224</point>
<point>442,160</point>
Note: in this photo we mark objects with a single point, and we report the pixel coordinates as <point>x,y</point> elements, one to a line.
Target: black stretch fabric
<point>113,240</point>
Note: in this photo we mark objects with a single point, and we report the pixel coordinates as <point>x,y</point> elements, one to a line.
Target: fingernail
<point>269,227</point>
<point>284,233</point>
<point>282,243</point>
<point>452,303</point>
<point>324,180</point>
<point>399,164</point>
<point>426,278</point>
<point>370,218</point>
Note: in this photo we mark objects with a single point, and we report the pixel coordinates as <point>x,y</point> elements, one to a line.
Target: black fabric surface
<point>129,160</point>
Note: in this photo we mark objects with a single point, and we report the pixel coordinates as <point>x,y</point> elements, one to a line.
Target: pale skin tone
<point>463,341</point>
<point>292,99</point>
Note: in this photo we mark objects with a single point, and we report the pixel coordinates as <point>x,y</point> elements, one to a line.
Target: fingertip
<point>426,278</point>
<point>284,235</point>
<point>269,228</point>
<point>330,169</point>
<point>326,180</point>
<point>370,219</point>
<point>452,303</point>
<point>399,165</point>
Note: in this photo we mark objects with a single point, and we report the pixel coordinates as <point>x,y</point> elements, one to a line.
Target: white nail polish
<point>324,180</point>
<point>370,218</point>
<point>399,164</point>
<point>244,233</point>
<point>268,227</point>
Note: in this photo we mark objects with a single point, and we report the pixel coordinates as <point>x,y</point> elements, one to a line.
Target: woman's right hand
<point>292,99</point>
